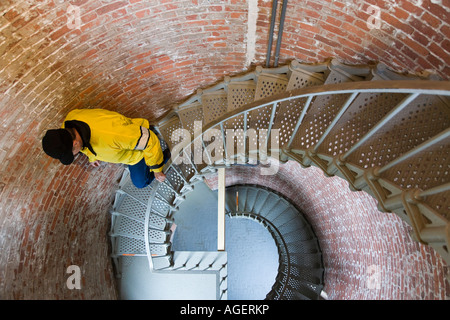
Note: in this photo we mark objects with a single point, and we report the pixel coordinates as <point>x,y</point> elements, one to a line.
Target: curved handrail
<point>383,86</point>
<point>147,222</point>
<point>413,87</point>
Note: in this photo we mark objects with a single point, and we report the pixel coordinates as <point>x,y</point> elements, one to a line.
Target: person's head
<point>62,144</point>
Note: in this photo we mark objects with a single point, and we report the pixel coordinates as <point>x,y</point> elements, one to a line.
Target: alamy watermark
<point>374,20</point>
<point>74,280</point>
<point>373,281</point>
<point>73,17</point>
<point>209,147</point>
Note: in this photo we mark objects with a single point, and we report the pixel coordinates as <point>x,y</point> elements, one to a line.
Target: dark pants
<point>140,173</point>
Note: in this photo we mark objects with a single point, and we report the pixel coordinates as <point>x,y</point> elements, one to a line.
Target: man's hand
<point>160,176</point>
<point>95,164</point>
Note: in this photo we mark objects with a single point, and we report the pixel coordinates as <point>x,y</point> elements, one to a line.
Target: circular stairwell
<point>300,272</point>
<point>336,117</point>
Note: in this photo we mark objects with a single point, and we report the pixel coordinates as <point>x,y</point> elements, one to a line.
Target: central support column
<point>221,211</point>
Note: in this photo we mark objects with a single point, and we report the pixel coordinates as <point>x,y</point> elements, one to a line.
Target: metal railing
<point>430,226</point>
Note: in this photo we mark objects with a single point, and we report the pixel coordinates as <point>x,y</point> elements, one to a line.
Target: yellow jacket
<point>118,139</point>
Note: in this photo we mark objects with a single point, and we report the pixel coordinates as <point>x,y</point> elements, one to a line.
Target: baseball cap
<point>58,143</point>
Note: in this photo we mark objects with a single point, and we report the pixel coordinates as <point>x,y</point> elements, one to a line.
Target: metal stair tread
<point>136,211</point>
<point>308,260</point>
<point>297,288</point>
<point>310,275</point>
<point>131,207</point>
<point>304,246</point>
<point>189,114</point>
<point>125,246</point>
<point>240,93</point>
<point>301,79</point>
<point>304,249</point>
<point>270,84</point>
<point>132,228</point>
<point>167,128</point>
<point>161,262</point>
<point>294,223</point>
<point>141,194</point>
<point>303,229</point>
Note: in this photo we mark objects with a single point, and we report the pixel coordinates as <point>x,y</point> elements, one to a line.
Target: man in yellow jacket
<point>108,136</point>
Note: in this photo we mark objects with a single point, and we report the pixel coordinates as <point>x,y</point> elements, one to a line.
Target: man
<point>108,136</point>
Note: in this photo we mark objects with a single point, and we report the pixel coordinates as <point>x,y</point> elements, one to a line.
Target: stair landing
<point>139,283</point>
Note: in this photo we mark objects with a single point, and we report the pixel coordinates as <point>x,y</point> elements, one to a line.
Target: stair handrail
<point>148,211</point>
<point>414,88</point>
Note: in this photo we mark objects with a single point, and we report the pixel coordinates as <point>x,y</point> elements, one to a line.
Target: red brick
<point>420,38</point>
<point>431,20</point>
<point>422,27</point>
<point>111,7</point>
<point>327,41</point>
<point>412,8</point>
<point>397,24</point>
<point>333,21</point>
<point>401,14</point>
<point>334,30</point>
<point>220,44</point>
<point>446,45</point>
<point>419,49</point>
<point>58,215</point>
<point>238,15</point>
<point>445,29</point>
<point>143,13</point>
<point>59,33</point>
<point>90,53</point>
<point>437,10</point>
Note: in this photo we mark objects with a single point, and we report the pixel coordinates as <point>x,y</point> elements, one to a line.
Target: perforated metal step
<point>301,270</point>
<point>311,130</point>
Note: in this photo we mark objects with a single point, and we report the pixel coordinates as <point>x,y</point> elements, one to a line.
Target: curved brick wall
<point>139,58</point>
<point>408,36</point>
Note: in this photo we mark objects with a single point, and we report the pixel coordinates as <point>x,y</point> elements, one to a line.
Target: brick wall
<point>135,57</point>
<point>367,254</point>
<point>52,218</point>
<point>406,35</point>
<point>139,57</point>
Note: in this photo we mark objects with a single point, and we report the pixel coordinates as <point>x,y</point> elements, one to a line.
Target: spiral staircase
<point>300,272</point>
<point>385,133</point>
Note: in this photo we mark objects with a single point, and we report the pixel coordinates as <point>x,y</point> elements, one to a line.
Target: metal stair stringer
<point>296,112</point>
<point>356,84</point>
<point>301,269</point>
